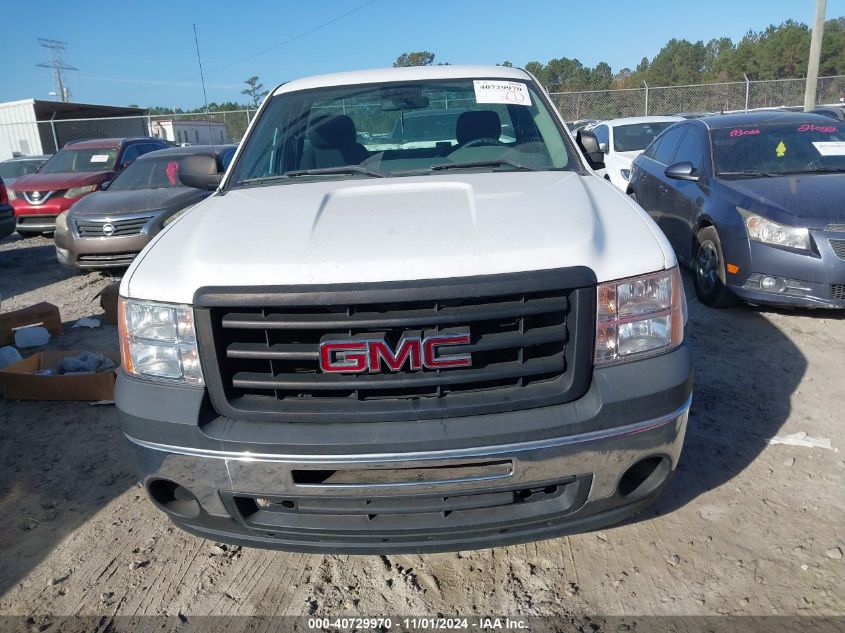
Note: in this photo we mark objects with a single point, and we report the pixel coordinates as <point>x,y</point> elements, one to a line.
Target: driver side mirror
<point>199,172</point>
<point>681,171</point>
<point>589,144</point>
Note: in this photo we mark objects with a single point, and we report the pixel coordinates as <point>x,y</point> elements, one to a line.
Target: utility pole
<point>815,54</point>
<point>57,65</point>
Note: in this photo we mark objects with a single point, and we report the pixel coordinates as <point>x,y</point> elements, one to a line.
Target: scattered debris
<point>89,322</point>
<point>802,439</point>
<point>835,553</point>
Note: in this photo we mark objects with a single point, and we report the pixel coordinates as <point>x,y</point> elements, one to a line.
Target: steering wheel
<point>482,141</point>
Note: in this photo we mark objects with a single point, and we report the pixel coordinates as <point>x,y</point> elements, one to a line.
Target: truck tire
<point>708,268</point>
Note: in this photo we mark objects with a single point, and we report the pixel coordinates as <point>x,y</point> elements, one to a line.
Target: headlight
<point>158,341</point>
<point>78,192</point>
<point>763,230</point>
<point>639,316</point>
<point>625,173</point>
<point>12,194</point>
<point>61,222</point>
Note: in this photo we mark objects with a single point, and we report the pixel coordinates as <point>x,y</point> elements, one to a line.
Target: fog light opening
<point>644,477</point>
<point>173,498</point>
<point>773,284</point>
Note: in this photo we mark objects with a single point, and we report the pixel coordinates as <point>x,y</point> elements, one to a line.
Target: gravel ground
<point>746,527</point>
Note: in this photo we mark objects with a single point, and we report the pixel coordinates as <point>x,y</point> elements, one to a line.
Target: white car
<point>349,348</point>
<point>622,140</point>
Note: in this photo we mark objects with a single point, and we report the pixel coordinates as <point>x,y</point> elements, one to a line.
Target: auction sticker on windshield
<point>497,91</point>
<point>100,158</point>
<point>830,148</point>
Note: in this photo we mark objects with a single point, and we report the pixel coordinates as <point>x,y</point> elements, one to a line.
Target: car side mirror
<point>199,172</point>
<point>589,144</point>
<point>681,171</point>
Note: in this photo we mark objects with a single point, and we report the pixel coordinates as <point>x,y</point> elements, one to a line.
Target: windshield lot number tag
<point>830,148</point>
<point>507,92</point>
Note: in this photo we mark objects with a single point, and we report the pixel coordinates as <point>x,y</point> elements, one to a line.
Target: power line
<point>57,65</point>
<point>294,38</point>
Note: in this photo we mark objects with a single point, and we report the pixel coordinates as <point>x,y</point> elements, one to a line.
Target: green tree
<point>254,90</point>
<point>417,58</point>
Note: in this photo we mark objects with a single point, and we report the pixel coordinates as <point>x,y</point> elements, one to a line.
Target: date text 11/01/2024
<point>486,623</point>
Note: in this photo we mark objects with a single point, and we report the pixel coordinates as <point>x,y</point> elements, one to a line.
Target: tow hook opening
<point>644,477</point>
<point>173,498</point>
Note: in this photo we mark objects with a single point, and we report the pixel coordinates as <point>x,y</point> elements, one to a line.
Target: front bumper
<point>527,475</point>
<point>818,279</point>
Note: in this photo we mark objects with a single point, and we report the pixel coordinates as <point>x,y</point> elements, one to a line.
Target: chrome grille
<point>37,198</point>
<point>528,347</point>
<point>838,247</point>
<point>106,259</point>
<point>119,228</point>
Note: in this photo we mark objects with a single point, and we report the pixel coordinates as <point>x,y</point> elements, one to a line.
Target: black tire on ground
<point>708,268</point>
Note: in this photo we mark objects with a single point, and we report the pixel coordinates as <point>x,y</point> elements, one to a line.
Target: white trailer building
<point>196,132</point>
<point>30,127</point>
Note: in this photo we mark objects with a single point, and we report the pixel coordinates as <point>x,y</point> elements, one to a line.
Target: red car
<point>75,171</point>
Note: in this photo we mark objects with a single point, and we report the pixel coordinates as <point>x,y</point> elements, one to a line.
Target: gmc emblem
<point>359,356</point>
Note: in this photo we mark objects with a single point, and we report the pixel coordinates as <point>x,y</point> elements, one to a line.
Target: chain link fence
<point>717,97</point>
<point>45,137</point>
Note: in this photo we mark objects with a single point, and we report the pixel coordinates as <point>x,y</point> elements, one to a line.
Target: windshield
<point>402,129</point>
<point>637,136</point>
<point>148,173</point>
<point>779,149</point>
<point>76,160</point>
<point>18,168</point>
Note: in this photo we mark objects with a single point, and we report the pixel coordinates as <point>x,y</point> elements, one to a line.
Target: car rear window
<point>635,137</point>
<point>81,160</point>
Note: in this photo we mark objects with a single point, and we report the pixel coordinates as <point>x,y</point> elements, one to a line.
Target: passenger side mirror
<point>199,172</point>
<point>681,171</point>
<point>589,144</point>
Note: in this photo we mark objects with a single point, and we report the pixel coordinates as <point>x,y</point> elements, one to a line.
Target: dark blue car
<point>754,203</point>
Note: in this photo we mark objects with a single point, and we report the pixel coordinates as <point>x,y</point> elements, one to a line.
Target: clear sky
<point>143,52</point>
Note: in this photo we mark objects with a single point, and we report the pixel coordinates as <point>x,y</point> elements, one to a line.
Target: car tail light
<point>639,316</point>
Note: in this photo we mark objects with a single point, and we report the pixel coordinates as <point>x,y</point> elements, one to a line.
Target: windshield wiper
<point>345,169</point>
<point>753,173</point>
<point>497,162</point>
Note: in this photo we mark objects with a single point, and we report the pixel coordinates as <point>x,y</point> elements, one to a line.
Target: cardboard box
<point>45,314</point>
<point>108,302</point>
<point>20,382</point>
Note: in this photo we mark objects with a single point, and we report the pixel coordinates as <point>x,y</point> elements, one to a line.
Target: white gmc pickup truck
<point>410,318</point>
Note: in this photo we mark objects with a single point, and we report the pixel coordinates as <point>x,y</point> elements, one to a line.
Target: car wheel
<point>709,270</point>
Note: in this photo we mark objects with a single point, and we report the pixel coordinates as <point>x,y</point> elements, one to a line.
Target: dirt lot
<point>746,527</point>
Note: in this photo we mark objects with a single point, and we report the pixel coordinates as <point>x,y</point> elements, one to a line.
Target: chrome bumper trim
<point>474,452</point>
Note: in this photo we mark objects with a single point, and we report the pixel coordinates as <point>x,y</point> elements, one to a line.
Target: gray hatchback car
<point>108,228</point>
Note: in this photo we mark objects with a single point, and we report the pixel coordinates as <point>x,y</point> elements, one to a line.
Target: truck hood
<point>810,200</point>
<point>55,182</point>
<point>114,203</point>
<point>410,228</point>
